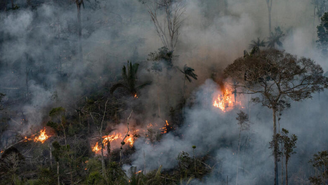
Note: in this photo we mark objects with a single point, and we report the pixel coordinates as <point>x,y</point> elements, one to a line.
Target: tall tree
<point>79,3</point>
<point>58,114</point>
<point>320,163</point>
<point>129,74</point>
<point>243,124</point>
<point>168,30</point>
<point>274,39</point>
<point>257,43</point>
<point>269,5</point>
<point>289,143</point>
<point>188,74</point>
<point>322,31</point>
<point>277,78</point>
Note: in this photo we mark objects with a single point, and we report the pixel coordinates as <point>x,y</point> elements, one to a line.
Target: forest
<point>163,92</point>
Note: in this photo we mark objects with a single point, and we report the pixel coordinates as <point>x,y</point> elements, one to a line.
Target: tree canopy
<point>277,76</point>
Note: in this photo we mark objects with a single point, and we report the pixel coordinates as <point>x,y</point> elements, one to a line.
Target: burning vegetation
<point>78,89</point>
<point>226,100</point>
<point>42,136</point>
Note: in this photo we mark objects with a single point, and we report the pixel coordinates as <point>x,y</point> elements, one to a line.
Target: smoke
<point>40,61</point>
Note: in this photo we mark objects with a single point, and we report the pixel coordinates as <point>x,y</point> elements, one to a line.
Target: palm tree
<point>129,74</point>
<point>188,74</point>
<point>275,38</point>
<point>257,43</point>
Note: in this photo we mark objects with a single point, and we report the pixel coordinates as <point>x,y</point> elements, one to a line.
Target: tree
<point>129,75</point>
<point>1,96</point>
<point>278,78</point>
<point>168,30</point>
<point>62,152</point>
<point>320,7</point>
<point>275,37</point>
<point>269,5</point>
<point>10,163</point>
<point>288,146</point>
<point>188,74</point>
<point>257,43</point>
<point>58,114</point>
<point>322,31</point>
<point>78,5</point>
<point>243,124</point>
<point>320,163</point>
<point>162,55</point>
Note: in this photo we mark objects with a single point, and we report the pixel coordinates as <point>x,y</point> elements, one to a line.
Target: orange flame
<point>96,148</point>
<point>164,128</point>
<point>130,140</point>
<point>225,102</point>
<point>135,96</point>
<point>139,171</point>
<point>110,138</point>
<point>1,151</point>
<point>42,137</point>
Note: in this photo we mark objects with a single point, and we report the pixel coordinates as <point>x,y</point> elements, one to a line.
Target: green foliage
<point>289,143</point>
<point>52,125</point>
<point>188,73</point>
<point>60,151</point>
<point>257,43</point>
<point>275,37</point>
<point>277,77</point>
<point>45,176</point>
<point>95,178</point>
<point>320,163</point>
<point>162,55</point>
<point>129,75</point>
<point>115,173</point>
<point>137,178</point>
<point>11,162</point>
<point>56,111</point>
<point>322,31</point>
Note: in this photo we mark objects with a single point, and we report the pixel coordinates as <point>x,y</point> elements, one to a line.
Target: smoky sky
<point>39,59</point>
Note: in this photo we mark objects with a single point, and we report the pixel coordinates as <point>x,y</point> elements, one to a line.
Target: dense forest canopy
<point>163,92</point>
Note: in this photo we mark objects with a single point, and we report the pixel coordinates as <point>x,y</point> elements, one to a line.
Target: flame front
<point>135,96</point>
<point>225,101</point>
<point>117,138</point>
<point>42,137</point>
<point>110,138</point>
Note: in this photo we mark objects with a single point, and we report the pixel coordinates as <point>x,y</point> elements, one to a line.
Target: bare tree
<point>168,29</point>
<point>277,78</point>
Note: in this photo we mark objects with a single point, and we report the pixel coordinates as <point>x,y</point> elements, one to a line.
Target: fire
<point>115,138</point>
<point>110,138</point>
<point>225,102</point>
<point>1,151</point>
<point>96,148</point>
<point>42,137</point>
<point>165,127</point>
<point>139,171</point>
<point>135,96</point>
<point>130,140</point>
